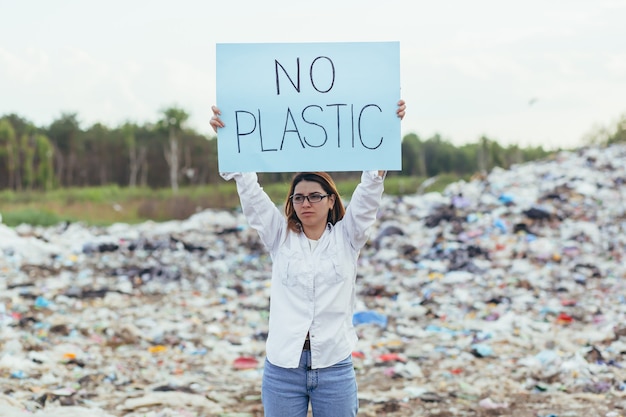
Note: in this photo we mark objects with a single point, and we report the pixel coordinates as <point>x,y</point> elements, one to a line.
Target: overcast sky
<point>538,72</point>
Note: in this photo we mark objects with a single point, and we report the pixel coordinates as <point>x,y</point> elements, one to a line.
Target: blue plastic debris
<point>369,317</point>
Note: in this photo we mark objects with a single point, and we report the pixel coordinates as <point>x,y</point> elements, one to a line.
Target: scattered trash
<point>369,317</point>
<point>501,292</point>
<point>489,404</point>
<point>246,362</point>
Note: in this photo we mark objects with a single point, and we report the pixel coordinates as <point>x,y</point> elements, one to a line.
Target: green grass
<point>111,204</point>
<point>31,216</point>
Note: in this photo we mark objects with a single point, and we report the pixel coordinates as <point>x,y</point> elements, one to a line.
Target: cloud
<point>466,67</point>
<point>23,69</point>
<point>616,65</point>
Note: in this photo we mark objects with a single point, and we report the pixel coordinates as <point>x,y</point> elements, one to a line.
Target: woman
<point>314,248</point>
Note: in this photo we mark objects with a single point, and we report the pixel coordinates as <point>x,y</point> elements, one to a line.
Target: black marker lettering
<point>285,130</point>
<point>296,86</point>
<point>261,136</point>
<point>338,122</point>
<point>315,124</point>
<point>332,80</point>
<point>360,134</point>
<point>352,122</point>
<point>237,123</point>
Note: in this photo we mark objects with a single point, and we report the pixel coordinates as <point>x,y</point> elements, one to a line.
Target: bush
<point>32,217</point>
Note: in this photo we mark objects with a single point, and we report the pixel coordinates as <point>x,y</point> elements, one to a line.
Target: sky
<point>538,72</point>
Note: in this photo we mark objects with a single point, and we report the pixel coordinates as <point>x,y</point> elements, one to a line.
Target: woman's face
<point>312,215</point>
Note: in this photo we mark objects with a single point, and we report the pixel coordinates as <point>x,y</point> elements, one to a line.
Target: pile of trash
<point>503,294</point>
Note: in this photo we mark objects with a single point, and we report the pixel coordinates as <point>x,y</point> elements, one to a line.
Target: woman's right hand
<point>216,121</point>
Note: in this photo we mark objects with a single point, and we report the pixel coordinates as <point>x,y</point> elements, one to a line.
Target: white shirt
<point>312,289</point>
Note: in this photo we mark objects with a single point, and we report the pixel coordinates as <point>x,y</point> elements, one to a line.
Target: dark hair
<point>322,178</point>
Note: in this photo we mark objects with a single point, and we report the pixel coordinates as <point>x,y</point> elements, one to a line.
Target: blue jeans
<point>332,391</point>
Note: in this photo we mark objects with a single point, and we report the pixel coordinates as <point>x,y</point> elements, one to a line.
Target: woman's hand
<point>216,121</point>
<point>400,112</point>
<point>401,109</point>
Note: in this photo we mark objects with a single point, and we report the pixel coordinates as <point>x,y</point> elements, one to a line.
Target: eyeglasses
<point>313,198</point>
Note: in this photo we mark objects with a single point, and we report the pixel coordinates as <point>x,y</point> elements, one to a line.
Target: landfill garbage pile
<point>504,295</point>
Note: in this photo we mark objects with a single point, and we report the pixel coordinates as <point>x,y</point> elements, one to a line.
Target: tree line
<point>160,154</point>
<point>167,153</point>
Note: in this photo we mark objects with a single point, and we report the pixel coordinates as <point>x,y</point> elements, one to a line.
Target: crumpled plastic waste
<point>500,292</point>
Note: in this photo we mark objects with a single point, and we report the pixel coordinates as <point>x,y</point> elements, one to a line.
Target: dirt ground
<point>518,405</point>
<point>443,404</point>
